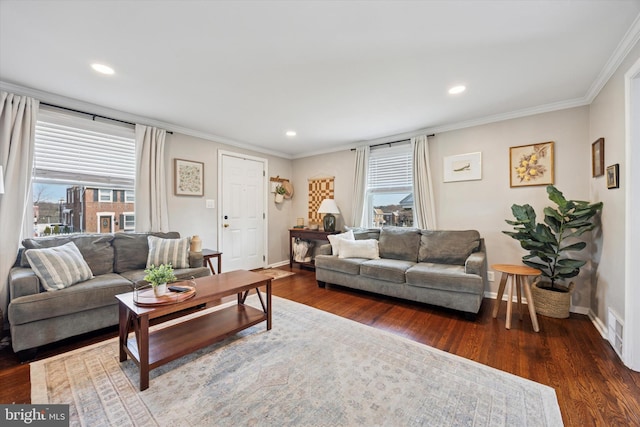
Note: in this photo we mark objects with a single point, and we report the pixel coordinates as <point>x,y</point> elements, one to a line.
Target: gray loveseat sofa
<point>443,268</point>
<point>117,261</point>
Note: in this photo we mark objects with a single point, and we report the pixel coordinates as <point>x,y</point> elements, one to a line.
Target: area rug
<point>275,274</point>
<point>312,369</point>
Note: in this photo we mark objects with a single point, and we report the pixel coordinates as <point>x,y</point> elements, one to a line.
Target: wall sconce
<point>329,207</point>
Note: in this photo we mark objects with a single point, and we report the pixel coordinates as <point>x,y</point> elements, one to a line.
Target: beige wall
<point>607,120</point>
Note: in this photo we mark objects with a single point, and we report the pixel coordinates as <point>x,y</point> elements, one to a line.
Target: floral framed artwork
<point>597,158</point>
<point>463,167</point>
<point>188,178</point>
<point>531,164</point>
<point>613,176</point>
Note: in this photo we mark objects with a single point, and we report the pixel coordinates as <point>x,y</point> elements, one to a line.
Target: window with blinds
<point>84,173</point>
<point>390,187</point>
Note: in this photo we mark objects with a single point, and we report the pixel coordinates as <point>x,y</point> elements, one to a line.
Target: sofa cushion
<point>59,267</point>
<point>343,265</point>
<point>335,240</point>
<point>94,293</point>
<point>444,277</point>
<point>96,249</point>
<point>367,249</point>
<point>391,270</point>
<point>168,251</point>
<point>399,243</point>
<point>448,247</point>
<point>132,250</point>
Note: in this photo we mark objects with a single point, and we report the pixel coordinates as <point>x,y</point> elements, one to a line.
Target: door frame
<point>265,188</point>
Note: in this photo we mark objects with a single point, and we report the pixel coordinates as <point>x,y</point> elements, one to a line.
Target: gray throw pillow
<point>168,251</point>
<point>59,267</point>
<point>448,246</point>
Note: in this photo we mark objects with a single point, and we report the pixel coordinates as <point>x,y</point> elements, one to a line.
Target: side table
<point>207,254</point>
<point>306,234</point>
<point>519,278</point>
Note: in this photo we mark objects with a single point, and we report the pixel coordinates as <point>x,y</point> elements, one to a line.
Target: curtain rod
<point>92,115</point>
<point>392,142</point>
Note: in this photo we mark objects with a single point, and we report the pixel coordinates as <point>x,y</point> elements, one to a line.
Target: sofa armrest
<point>476,264</point>
<point>196,259</point>
<point>324,249</point>
<point>23,281</point>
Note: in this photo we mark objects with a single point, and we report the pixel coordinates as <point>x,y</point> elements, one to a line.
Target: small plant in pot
<point>550,245</point>
<point>280,192</point>
<point>159,277</point>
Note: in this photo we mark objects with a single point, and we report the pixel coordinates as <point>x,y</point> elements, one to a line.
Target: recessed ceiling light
<point>457,89</point>
<point>291,133</point>
<point>103,69</point>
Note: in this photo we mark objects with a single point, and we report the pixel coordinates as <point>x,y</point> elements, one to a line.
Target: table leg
<point>518,284</point>
<point>496,306</point>
<point>123,330</point>
<point>510,297</point>
<point>143,352</point>
<point>269,305</point>
<point>531,306</point>
<point>219,263</point>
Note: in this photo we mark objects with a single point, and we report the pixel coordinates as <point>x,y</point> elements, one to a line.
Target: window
<point>129,197</point>
<point>78,162</point>
<point>389,198</point>
<point>128,221</point>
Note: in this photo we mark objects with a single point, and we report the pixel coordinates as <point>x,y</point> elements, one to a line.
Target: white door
<point>242,213</point>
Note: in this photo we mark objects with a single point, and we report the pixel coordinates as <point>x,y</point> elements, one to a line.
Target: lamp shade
<point>1,181</point>
<point>328,206</point>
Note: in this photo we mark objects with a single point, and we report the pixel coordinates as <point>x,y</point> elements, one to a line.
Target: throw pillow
<point>448,246</point>
<point>367,249</point>
<point>168,251</point>
<point>59,267</point>
<point>335,240</point>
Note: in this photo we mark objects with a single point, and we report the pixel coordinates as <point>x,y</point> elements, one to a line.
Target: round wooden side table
<point>516,276</point>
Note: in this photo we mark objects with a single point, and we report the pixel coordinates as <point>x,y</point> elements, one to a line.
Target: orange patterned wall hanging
<point>319,189</point>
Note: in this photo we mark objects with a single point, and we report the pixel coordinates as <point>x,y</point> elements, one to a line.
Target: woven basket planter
<point>552,303</point>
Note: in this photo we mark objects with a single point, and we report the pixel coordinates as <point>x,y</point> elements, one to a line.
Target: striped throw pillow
<point>168,251</point>
<point>59,267</point>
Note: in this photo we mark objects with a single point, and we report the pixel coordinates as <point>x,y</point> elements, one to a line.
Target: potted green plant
<point>159,276</point>
<point>280,192</point>
<point>550,244</point>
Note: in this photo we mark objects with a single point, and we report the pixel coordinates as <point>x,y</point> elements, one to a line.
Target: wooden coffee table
<point>152,349</point>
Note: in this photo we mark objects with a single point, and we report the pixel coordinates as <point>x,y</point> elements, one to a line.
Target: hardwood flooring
<point>593,386</point>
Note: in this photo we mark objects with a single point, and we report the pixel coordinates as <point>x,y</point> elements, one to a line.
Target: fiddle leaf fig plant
<point>548,243</point>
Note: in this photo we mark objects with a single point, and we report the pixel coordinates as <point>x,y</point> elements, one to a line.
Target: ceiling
<point>339,73</point>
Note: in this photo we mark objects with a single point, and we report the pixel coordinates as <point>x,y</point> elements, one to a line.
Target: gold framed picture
<point>188,178</point>
<point>597,158</point>
<point>613,176</point>
<point>531,164</point>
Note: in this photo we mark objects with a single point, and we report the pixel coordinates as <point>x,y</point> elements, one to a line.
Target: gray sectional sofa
<point>443,268</point>
<point>117,261</point>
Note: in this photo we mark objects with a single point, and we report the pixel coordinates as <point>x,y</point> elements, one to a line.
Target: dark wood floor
<point>593,387</point>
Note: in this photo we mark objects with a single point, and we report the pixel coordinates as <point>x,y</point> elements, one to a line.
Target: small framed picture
<point>188,178</point>
<point>597,158</point>
<point>531,164</point>
<point>463,167</point>
<point>613,176</point>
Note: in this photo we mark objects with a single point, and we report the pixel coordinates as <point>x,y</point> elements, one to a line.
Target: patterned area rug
<point>275,274</point>
<point>312,369</point>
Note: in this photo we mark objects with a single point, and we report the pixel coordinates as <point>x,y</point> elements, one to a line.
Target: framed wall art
<point>188,178</point>
<point>463,167</point>
<point>613,176</point>
<point>597,158</point>
<point>531,164</point>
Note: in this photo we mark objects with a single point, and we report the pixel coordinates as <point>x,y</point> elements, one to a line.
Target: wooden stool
<point>519,278</point>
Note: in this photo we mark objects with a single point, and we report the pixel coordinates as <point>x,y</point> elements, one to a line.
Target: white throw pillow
<point>359,249</point>
<point>168,251</point>
<point>335,240</point>
<point>59,267</point>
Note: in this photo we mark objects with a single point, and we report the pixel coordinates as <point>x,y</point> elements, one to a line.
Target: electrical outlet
<point>490,276</point>
<point>211,204</point>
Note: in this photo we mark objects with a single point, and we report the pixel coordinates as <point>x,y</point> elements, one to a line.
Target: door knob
<point>226,225</point>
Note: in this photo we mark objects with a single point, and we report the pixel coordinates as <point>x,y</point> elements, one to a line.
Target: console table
<point>306,234</point>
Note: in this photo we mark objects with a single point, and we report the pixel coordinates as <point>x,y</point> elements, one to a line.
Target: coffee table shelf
<point>152,349</point>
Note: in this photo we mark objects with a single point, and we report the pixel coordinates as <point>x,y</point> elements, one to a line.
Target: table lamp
<point>329,207</point>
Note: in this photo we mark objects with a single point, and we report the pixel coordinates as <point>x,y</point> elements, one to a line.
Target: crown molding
<point>63,101</point>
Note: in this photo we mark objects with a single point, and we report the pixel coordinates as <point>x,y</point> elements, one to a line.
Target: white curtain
<point>18,115</point>
<point>359,186</point>
<point>423,203</point>
<point>151,209</point>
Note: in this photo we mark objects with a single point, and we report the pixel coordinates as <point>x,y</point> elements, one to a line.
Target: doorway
<point>242,214</point>
<point>104,223</point>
